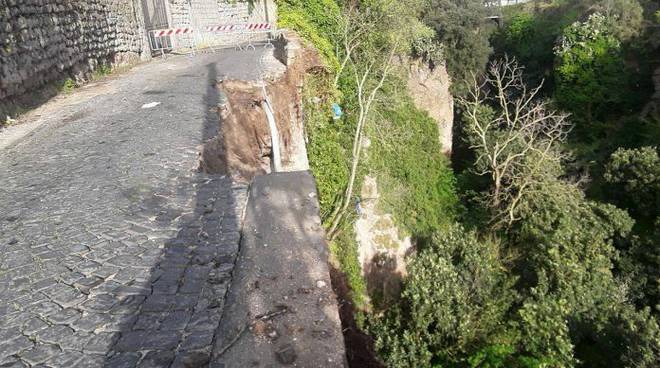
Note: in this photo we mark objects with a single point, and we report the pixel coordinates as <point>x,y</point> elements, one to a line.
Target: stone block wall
<point>196,13</point>
<point>42,41</point>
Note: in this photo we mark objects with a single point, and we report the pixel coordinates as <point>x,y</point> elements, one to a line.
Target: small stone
<point>320,284</point>
<point>11,218</point>
<point>155,359</point>
<point>150,105</point>
<point>192,359</point>
<point>286,354</point>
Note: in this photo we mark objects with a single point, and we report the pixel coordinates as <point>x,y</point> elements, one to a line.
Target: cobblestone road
<point>114,251</point>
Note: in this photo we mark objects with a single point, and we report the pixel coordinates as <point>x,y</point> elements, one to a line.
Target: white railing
<point>493,3</point>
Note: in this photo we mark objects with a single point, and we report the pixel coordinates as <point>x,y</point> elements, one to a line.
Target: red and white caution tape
<point>240,27</point>
<point>224,28</point>
<point>257,26</point>
<point>171,31</point>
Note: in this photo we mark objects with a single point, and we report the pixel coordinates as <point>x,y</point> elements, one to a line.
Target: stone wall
<point>196,13</point>
<point>42,41</point>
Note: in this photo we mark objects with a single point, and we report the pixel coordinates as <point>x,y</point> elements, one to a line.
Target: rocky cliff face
<point>429,89</point>
<point>382,247</point>
<point>382,250</point>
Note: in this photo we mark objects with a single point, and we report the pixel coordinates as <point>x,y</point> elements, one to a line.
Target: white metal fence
<point>201,24</point>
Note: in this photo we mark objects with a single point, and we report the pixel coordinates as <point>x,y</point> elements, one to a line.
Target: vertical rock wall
<point>42,41</point>
<point>429,89</point>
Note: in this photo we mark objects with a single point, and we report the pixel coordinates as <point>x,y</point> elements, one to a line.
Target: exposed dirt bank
<point>243,147</point>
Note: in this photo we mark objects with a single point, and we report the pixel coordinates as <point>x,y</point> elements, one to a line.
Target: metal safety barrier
<point>243,36</point>
<point>163,39</point>
<point>244,33</point>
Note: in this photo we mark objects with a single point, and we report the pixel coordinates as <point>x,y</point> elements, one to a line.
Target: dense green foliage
<point>590,71</point>
<point>635,176</point>
<point>411,170</point>
<point>460,28</point>
<point>454,300</point>
<point>405,157</point>
<point>315,20</point>
<point>329,142</point>
<point>573,279</point>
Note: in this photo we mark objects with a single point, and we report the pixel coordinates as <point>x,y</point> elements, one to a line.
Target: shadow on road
<point>170,319</point>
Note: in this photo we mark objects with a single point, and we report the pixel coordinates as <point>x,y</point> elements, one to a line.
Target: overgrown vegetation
<point>545,253</point>
<point>418,183</point>
<point>403,151</point>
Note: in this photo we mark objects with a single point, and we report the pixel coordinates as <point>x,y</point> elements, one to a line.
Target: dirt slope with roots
<point>243,146</point>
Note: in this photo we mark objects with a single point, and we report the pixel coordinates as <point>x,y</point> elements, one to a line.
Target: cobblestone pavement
<point>114,251</point>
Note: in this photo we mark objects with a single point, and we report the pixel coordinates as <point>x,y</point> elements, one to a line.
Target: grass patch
<point>314,20</point>
<point>67,86</point>
<point>344,254</point>
<point>101,71</point>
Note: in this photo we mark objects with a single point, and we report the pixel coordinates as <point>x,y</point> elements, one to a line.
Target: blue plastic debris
<point>336,111</point>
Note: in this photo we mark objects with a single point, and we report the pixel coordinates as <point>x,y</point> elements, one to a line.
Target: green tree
<point>567,260</point>
<point>462,29</point>
<point>635,176</point>
<point>590,72</point>
<point>454,301</point>
<point>639,267</point>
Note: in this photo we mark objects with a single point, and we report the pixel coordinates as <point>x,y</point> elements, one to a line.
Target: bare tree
<point>354,25</point>
<point>370,76</point>
<point>515,135</point>
<point>370,39</point>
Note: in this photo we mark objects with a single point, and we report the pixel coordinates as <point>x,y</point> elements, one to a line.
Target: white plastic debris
<point>150,105</point>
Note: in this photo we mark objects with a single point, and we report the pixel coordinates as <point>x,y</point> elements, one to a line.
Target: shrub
<point>454,300</point>
<point>314,20</point>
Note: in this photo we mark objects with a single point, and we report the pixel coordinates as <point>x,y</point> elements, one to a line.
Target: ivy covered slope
<point>404,152</point>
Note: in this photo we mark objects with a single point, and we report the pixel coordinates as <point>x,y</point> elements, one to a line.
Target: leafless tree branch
<point>516,135</point>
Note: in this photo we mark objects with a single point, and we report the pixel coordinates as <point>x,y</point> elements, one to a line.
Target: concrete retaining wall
<point>45,40</point>
<point>281,310</point>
